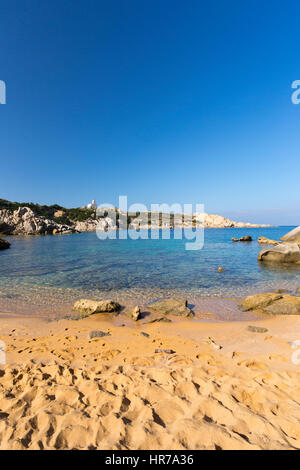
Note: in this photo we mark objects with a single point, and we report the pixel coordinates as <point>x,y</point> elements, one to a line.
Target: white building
<point>92,205</point>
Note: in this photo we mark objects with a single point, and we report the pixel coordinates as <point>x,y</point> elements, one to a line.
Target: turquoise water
<point>48,270</point>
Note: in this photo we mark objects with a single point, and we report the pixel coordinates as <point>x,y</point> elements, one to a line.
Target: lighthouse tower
<point>92,205</point>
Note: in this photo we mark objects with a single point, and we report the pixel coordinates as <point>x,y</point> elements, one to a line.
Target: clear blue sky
<point>161,100</point>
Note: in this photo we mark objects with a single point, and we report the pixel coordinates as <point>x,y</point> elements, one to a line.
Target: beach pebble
<point>214,344</point>
<point>97,334</point>
<point>167,351</point>
<point>256,329</point>
<point>145,334</point>
<point>135,313</point>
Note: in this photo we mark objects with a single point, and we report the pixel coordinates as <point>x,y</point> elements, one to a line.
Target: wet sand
<point>62,390</point>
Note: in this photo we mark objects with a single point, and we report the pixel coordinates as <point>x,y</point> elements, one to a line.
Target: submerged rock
<point>283,253</point>
<point>172,307</point>
<point>4,245</point>
<point>272,304</point>
<point>292,236</point>
<point>88,307</point>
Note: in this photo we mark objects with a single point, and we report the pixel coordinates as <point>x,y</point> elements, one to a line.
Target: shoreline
<point>205,308</point>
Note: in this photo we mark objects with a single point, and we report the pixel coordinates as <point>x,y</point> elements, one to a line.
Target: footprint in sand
<point>110,354</point>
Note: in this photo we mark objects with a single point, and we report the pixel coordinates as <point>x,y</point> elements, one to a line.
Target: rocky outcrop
<point>272,304</point>
<point>218,221</point>
<point>283,253</point>
<point>267,241</point>
<point>292,237</point>
<point>259,301</point>
<point>135,313</point>
<point>24,221</point>
<point>247,238</point>
<point>88,225</point>
<point>106,223</point>
<point>172,307</point>
<point>87,307</point>
<point>4,244</point>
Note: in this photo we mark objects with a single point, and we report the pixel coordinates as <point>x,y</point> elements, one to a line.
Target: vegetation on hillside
<point>74,214</point>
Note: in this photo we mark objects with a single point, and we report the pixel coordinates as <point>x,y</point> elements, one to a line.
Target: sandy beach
<point>151,386</point>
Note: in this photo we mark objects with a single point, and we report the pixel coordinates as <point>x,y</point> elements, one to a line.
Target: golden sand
<point>61,390</point>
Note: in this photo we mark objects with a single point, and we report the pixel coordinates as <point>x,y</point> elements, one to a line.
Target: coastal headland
<point>34,219</point>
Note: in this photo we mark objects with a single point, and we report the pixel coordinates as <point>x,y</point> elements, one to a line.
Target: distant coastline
<point>34,219</point>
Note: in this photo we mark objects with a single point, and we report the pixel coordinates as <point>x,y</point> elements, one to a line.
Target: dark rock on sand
<point>272,304</point>
<point>256,329</point>
<point>88,307</point>
<point>172,307</point>
<point>166,351</point>
<point>97,334</point>
<point>283,253</point>
<point>4,244</point>
<point>145,334</point>
<point>158,319</point>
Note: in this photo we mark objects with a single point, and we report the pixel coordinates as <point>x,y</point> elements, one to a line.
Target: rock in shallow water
<point>88,307</point>
<point>267,241</point>
<point>172,307</point>
<point>292,236</point>
<point>4,244</point>
<point>283,253</point>
<point>247,238</point>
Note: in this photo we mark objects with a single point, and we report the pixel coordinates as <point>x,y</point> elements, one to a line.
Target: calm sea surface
<point>52,270</point>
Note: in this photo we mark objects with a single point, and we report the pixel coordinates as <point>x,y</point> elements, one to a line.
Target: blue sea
<point>48,271</point>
